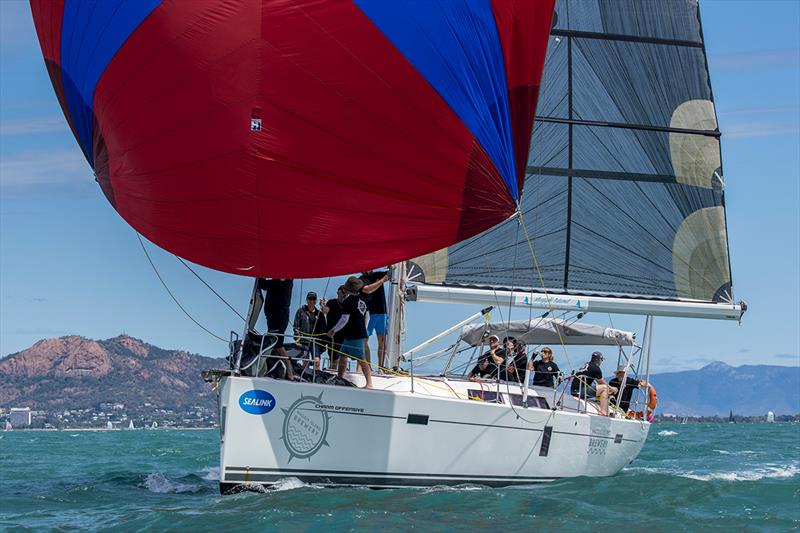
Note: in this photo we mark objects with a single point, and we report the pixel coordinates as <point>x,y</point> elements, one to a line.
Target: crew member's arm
<point>372,287</point>
<point>323,306</point>
<point>339,325</point>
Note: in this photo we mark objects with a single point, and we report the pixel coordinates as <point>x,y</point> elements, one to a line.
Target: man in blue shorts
<point>353,328</point>
<point>376,305</point>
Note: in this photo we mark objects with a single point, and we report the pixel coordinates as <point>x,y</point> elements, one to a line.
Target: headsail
<point>301,138</point>
<point>624,194</point>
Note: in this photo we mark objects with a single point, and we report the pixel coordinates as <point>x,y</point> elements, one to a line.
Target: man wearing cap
<point>627,390</point>
<point>309,328</point>
<point>489,363</point>
<point>584,386</point>
<point>353,327</point>
<point>546,371</point>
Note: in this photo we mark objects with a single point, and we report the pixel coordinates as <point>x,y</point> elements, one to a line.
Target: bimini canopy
<point>545,331</point>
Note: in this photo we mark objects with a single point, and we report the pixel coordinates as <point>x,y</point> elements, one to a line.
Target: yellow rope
<point>387,370</point>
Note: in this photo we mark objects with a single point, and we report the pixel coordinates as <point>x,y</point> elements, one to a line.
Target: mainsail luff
<point>624,194</point>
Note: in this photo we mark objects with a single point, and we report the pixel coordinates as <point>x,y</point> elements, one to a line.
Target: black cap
<point>310,295</point>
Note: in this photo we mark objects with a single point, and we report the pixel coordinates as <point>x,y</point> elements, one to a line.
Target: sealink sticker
<point>257,402</point>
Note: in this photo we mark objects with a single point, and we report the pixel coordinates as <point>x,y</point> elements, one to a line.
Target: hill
<point>75,373</point>
<point>718,388</point>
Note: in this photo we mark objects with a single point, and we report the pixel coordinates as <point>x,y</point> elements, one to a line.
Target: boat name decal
<point>340,408</point>
<point>257,402</point>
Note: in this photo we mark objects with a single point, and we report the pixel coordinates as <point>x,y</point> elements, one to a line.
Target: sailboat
<point>130,425</point>
<point>8,427</point>
<point>685,420</point>
<point>561,159</point>
<point>770,417</point>
<point>109,425</point>
<point>731,420</point>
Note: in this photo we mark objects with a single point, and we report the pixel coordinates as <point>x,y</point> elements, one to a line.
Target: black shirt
<point>519,364</point>
<point>588,372</point>
<point>630,385</point>
<point>356,327</point>
<point>489,372</point>
<point>546,374</point>
<point>376,301</point>
<point>332,318</point>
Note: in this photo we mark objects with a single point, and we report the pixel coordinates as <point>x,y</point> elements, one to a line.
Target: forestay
<point>548,331</point>
<point>624,194</point>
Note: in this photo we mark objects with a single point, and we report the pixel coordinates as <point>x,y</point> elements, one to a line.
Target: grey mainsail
<point>624,194</point>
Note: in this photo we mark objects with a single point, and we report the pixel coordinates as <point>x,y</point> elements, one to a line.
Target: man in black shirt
<point>584,386</point>
<point>332,309</point>
<point>546,371</point>
<point>276,308</point>
<point>490,362</point>
<point>627,391</point>
<point>375,297</point>
<point>353,327</point>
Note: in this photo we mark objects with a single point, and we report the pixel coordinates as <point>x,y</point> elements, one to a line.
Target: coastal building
<point>20,416</point>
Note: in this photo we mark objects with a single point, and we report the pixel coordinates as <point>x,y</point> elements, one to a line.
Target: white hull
<point>392,437</point>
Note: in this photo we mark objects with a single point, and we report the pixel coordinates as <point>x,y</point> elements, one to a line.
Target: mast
<point>394,340</point>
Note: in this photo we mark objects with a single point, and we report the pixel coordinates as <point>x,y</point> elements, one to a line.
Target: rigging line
<point>544,287</point>
<point>218,295</point>
<point>174,299</point>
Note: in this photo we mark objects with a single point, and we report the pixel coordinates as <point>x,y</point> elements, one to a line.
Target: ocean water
<point>743,477</point>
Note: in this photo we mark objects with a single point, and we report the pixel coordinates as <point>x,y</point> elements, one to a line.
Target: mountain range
<point>75,372</point>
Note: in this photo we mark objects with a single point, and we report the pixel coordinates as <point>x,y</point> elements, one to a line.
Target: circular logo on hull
<point>305,427</point>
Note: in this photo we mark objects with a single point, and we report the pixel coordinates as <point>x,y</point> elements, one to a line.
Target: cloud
<point>792,356</point>
<point>36,125</point>
<point>53,171</point>
<point>749,131</point>
<point>762,59</point>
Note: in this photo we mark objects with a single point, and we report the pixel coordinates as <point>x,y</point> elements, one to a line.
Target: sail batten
<point>624,195</point>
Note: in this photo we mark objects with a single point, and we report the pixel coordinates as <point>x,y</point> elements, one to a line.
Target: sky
<point>70,265</point>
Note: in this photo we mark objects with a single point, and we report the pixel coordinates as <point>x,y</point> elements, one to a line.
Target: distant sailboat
<point>9,427</point>
<point>154,425</point>
<point>685,419</point>
<point>770,417</point>
<point>109,425</point>
<point>130,425</point>
<point>730,418</point>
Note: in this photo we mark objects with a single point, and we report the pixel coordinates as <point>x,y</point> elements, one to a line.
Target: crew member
<point>588,383</point>
<point>627,391</point>
<point>332,309</point>
<point>309,327</point>
<point>490,362</point>
<point>375,297</point>
<point>353,325</point>
<point>277,308</point>
<point>546,371</point>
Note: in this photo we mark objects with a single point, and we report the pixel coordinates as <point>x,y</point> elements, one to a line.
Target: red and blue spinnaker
<point>301,138</point>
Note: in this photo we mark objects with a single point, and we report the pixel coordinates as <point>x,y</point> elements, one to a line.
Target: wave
<point>210,473</point>
<point>754,474</point>
<point>742,452</point>
<point>667,433</point>
<point>768,472</point>
<point>161,484</point>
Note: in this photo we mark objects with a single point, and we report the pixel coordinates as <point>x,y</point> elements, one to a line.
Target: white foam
<point>210,473</point>
<point>159,483</point>
<point>288,483</point>
<point>766,472</point>
<point>667,433</point>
